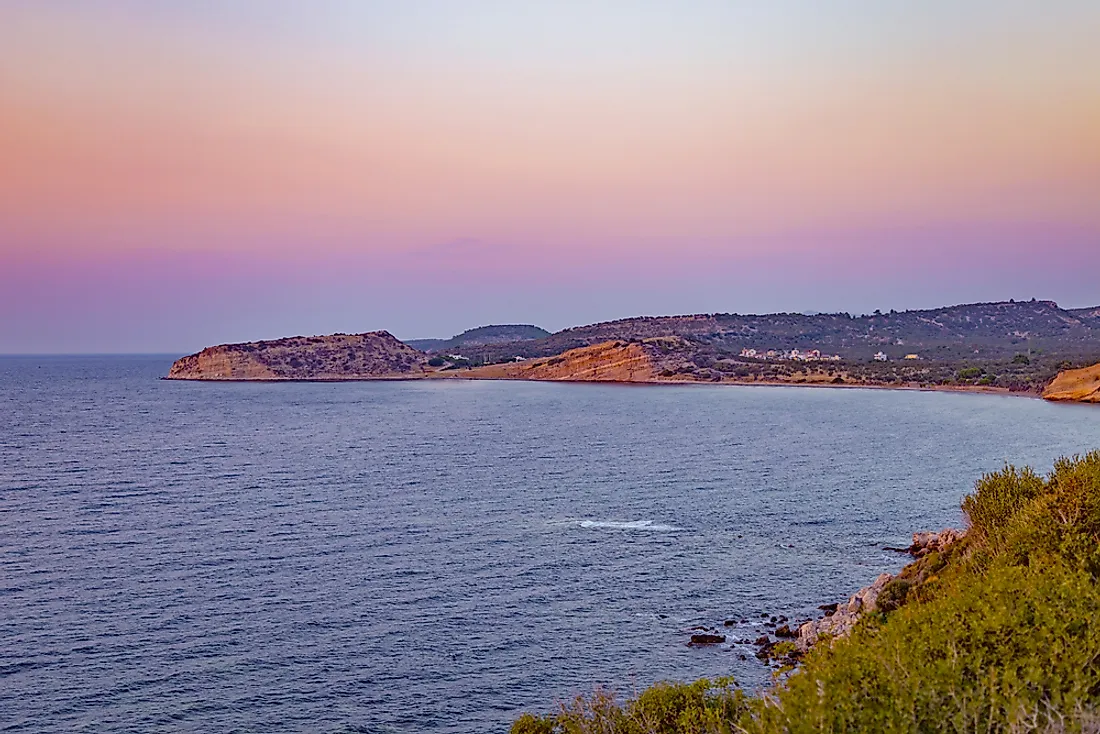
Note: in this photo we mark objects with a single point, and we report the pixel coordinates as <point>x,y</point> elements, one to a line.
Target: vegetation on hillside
<point>994,337</point>
<point>482,336</point>
<point>999,633</point>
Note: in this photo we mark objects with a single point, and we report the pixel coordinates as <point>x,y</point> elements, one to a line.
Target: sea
<point>440,556</point>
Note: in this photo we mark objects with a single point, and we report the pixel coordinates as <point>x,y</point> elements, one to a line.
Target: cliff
<point>373,355</point>
<point>1081,385</point>
<point>612,361</point>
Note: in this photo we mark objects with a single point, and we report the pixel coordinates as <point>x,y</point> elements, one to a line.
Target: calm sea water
<point>437,557</point>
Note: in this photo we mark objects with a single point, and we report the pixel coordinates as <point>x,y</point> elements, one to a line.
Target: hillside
<point>981,330</point>
<point>1080,385</point>
<point>1088,314</point>
<point>373,355</point>
<point>480,337</point>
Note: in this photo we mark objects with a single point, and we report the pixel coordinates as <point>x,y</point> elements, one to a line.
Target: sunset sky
<point>177,174</point>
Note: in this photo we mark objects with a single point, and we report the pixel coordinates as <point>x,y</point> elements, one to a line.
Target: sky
<point>180,174</point>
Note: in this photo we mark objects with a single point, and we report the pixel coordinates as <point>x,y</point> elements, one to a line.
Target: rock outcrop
<point>1081,386</point>
<point>613,361</point>
<point>840,619</point>
<point>928,542</point>
<point>840,623</point>
<point>707,639</point>
<point>369,356</point>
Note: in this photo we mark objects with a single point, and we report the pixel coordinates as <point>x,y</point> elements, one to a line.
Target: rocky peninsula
<point>370,356</point>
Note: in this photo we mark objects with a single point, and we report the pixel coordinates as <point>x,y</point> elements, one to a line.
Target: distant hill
<point>1010,346</point>
<point>987,330</point>
<point>482,336</point>
<point>373,355</point>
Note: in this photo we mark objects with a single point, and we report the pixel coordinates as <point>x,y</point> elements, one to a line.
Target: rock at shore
<point>1081,386</point>
<point>841,618</point>
<point>928,542</point>
<point>840,623</point>
<point>373,355</point>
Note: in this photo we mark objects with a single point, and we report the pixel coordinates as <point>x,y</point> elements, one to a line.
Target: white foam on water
<point>631,525</point>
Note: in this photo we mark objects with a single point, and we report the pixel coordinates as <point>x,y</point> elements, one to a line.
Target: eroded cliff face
<point>612,361</point>
<point>373,355</point>
<point>1082,385</point>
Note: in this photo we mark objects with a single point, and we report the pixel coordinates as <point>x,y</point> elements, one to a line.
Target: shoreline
<point>973,389</point>
<point>456,375</point>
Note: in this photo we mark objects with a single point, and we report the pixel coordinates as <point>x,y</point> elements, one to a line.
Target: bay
<point>440,556</point>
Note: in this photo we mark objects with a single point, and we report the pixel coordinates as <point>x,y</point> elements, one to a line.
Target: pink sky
<point>174,177</point>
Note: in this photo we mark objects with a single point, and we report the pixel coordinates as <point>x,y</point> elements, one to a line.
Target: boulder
<point>928,542</point>
<point>707,639</point>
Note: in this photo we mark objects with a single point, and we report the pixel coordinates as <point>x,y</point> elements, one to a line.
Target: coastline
<point>976,389</point>
<point>457,375</point>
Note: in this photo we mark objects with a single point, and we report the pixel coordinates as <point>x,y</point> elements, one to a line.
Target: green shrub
<point>996,499</point>
<point>702,707</point>
<point>985,657</point>
<point>1062,523</point>
<point>894,594</point>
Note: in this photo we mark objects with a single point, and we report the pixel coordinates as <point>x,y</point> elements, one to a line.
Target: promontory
<point>370,356</point>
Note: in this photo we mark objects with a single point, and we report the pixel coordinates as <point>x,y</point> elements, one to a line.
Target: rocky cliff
<point>373,355</point>
<point>1082,385</point>
<point>613,361</point>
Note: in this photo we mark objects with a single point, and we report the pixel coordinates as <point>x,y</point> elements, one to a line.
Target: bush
<point>984,657</point>
<point>702,707</point>
<point>996,499</point>
<point>1062,523</point>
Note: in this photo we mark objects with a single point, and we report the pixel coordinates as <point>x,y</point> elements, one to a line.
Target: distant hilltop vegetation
<point>954,332</point>
<point>1011,346</point>
<point>482,336</point>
